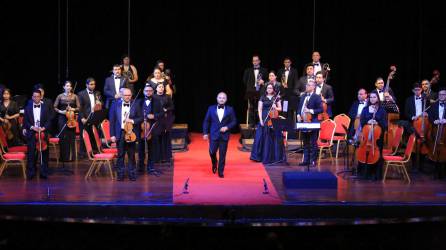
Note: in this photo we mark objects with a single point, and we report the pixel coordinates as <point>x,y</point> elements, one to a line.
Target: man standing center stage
<point>219,120</point>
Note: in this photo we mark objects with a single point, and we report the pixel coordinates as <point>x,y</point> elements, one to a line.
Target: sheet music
<point>308,125</point>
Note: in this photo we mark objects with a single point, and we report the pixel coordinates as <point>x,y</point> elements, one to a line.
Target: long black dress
<point>12,109</point>
<point>67,135</point>
<point>268,144</point>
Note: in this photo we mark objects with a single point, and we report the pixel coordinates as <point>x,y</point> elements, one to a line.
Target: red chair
<point>99,144</point>
<point>105,127</point>
<point>13,158</point>
<point>342,123</point>
<point>98,160</point>
<point>6,149</point>
<point>400,161</point>
<point>394,144</point>
<point>325,139</point>
<point>54,141</point>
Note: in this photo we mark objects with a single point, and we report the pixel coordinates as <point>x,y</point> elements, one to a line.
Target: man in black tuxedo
<point>121,112</point>
<point>301,84</point>
<point>88,99</point>
<point>325,91</point>
<point>152,112</point>
<point>254,79</point>
<point>289,78</point>
<point>311,103</point>
<point>113,84</point>
<point>218,122</point>
<point>36,120</point>
<point>379,89</point>
<point>355,111</point>
<point>318,66</point>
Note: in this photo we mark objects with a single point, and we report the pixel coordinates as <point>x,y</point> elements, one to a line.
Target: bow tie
<point>126,104</point>
<point>307,94</point>
<point>117,77</point>
<point>256,68</point>
<point>90,92</point>
<point>287,69</point>
<point>417,98</point>
<point>380,91</point>
<point>319,86</point>
<point>316,64</point>
<point>148,98</point>
<point>37,106</point>
<point>221,106</point>
<point>361,102</point>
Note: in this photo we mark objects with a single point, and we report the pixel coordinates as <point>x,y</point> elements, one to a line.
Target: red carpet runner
<point>242,185</point>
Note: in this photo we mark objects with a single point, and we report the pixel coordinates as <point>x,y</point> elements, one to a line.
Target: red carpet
<point>242,185</point>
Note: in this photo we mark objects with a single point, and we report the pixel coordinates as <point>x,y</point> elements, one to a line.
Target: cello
<point>437,144</point>
<point>422,126</point>
<point>368,151</point>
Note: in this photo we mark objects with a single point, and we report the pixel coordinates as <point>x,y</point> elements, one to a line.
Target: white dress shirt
<point>117,84</point>
<point>361,106</point>
<point>317,67</point>
<point>418,106</point>
<point>124,113</point>
<point>440,112</point>
<point>319,89</point>
<point>256,74</point>
<point>380,94</point>
<point>36,114</point>
<point>92,102</point>
<point>220,113</point>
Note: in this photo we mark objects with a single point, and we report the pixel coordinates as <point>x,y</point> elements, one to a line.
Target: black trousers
<point>123,148</point>
<point>67,139</point>
<point>89,129</point>
<point>221,146</point>
<point>34,157</point>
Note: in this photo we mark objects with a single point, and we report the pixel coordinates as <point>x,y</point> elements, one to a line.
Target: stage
<point>189,193</point>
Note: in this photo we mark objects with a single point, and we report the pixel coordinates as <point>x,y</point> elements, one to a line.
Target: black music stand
<point>97,117</point>
<point>306,134</point>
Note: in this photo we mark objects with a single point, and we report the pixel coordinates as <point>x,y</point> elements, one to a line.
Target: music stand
<point>97,117</point>
<point>306,128</point>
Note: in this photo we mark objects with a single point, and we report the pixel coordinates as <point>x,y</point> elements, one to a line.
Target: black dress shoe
<point>214,168</point>
<point>120,178</point>
<point>304,164</point>
<point>30,177</point>
<point>312,164</point>
<point>221,175</point>
<point>153,172</point>
<point>44,177</point>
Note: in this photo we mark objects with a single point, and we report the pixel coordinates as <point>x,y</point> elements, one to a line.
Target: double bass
<point>422,127</point>
<point>437,142</point>
<point>368,151</point>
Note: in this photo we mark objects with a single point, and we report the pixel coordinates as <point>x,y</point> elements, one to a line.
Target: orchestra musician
<point>268,146</point>
<point>157,79</point>
<point>125,115</point>
<point>152,112</point>
<point>129,72</point>
<point>112,86</point>
<point>428,92</point>
<point>325,91</point>
<point>90,101</point>
<point>166,75</point>
<point>254,78</point>
<point>161,140</point>
<point>318,66</point>
<point>288,77</point>
<point>37,118</point>
<point>9,114</point>
<point>375,114</point>
<point>310,104</point>
<point>355,111</point>
<point>308,76</point>
<point>379,84</point>
<point>66,102</point>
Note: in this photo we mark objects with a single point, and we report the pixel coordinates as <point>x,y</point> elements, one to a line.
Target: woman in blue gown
<point>268,146</point>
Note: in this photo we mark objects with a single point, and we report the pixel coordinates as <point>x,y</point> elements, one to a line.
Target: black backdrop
<point>208,44</point>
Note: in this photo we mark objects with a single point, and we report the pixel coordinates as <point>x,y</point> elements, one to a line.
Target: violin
<point>129,136</point>
<point>273,113</point>
<point>71,118</point>
<point>41,144</point>
<point>368,151</point>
